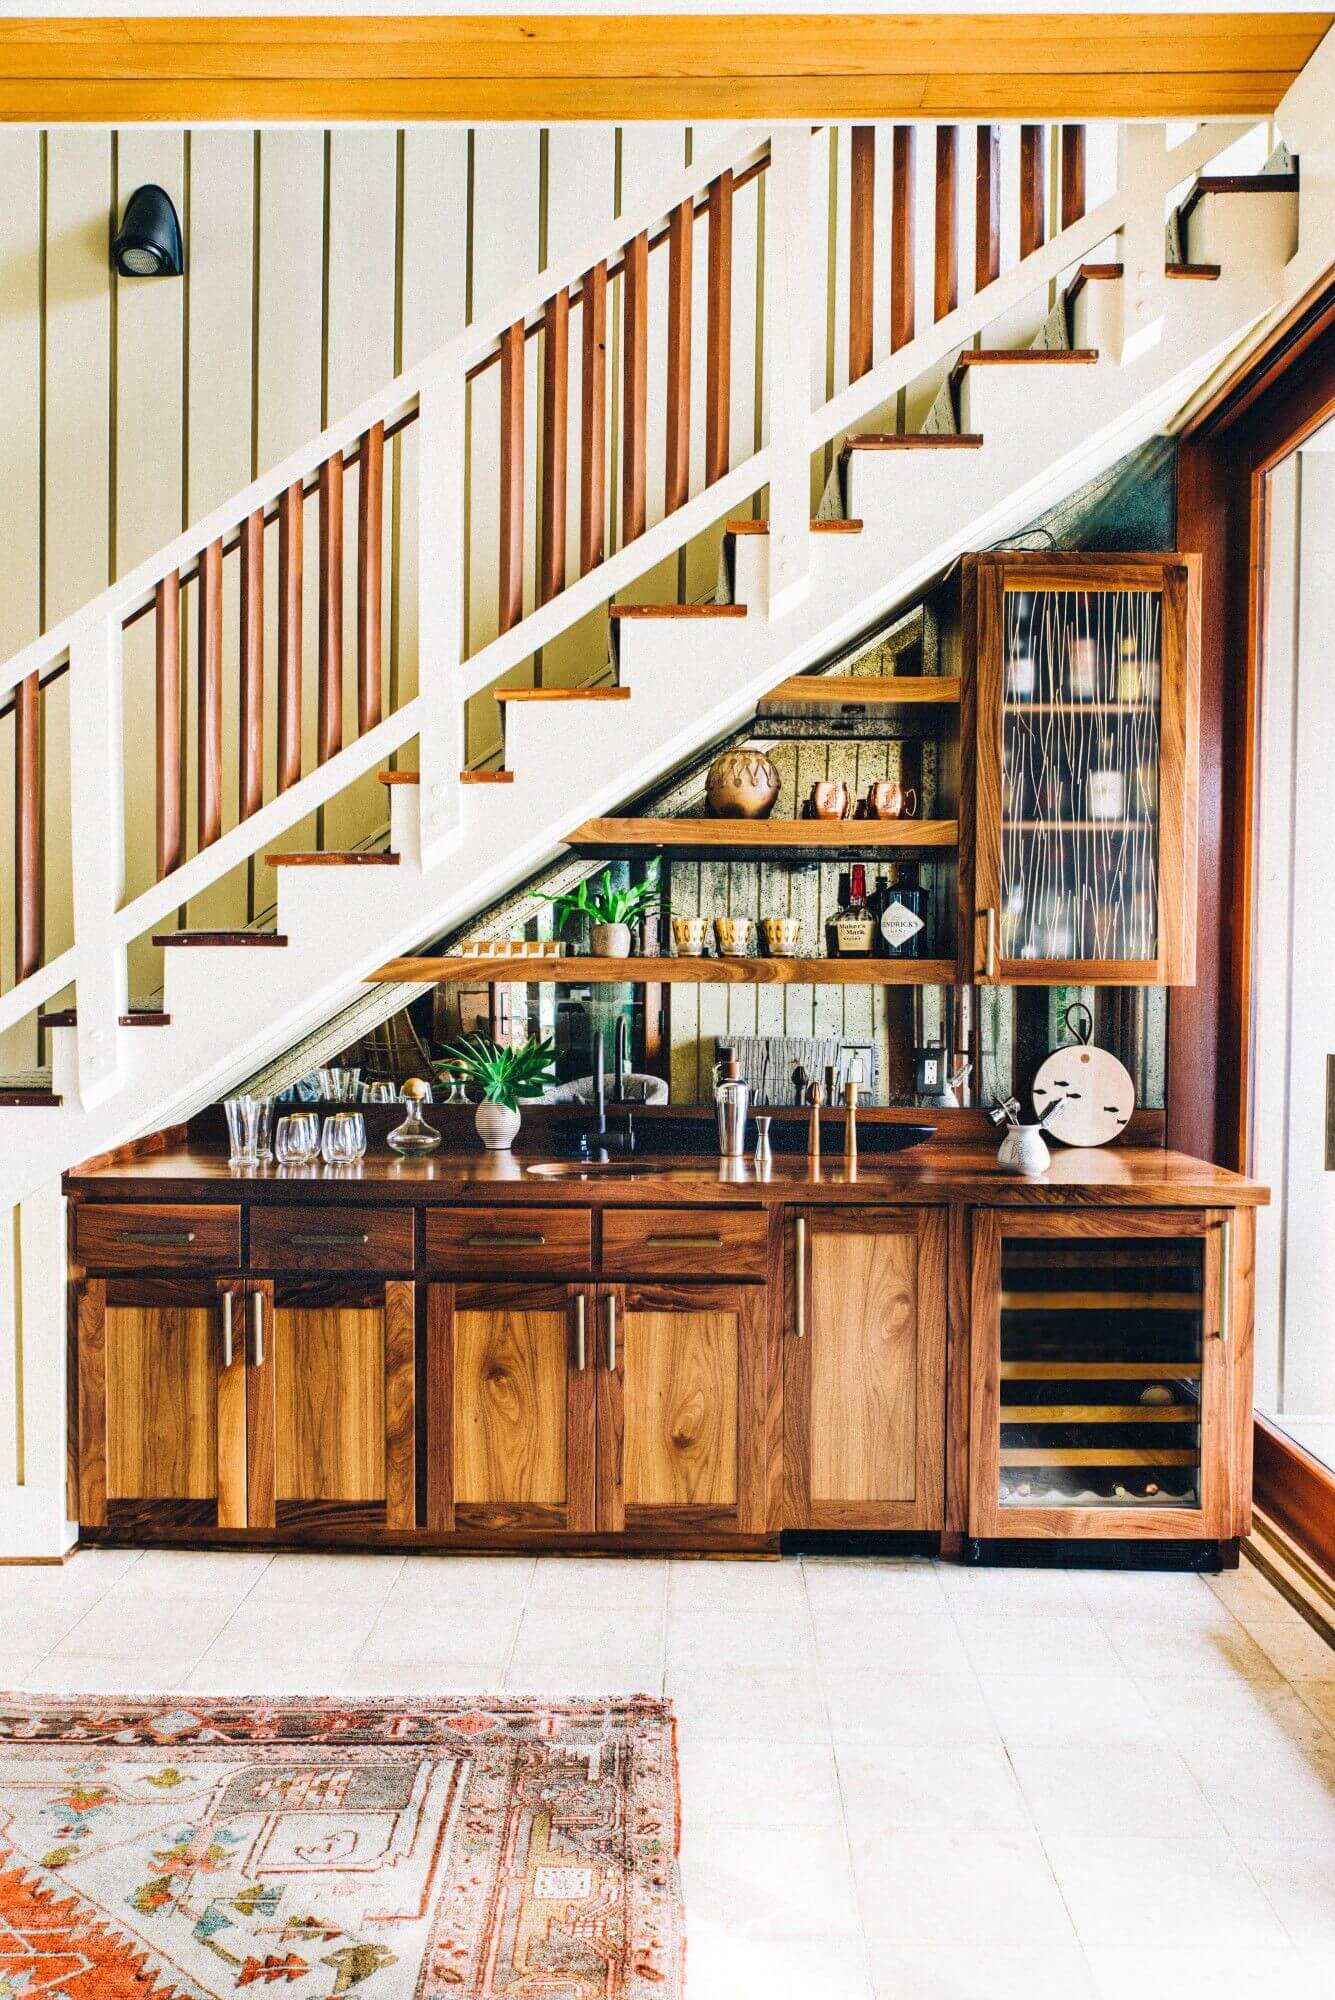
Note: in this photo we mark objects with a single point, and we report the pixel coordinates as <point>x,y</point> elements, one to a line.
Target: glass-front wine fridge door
<point>1085,735</point>
<point>1103,1397</point>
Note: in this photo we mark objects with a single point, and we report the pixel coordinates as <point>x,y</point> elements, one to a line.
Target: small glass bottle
<point>414,1137</point>
<point>903,912</point>
<point>853,931</point>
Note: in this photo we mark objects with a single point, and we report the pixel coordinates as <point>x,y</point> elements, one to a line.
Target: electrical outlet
<point>929,1071</point>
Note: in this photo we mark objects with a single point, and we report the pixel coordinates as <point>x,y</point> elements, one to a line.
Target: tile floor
<point>900,1780</point>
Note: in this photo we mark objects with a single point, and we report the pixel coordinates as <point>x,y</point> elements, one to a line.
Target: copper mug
<point>888,799</point>
<point>830,799</point>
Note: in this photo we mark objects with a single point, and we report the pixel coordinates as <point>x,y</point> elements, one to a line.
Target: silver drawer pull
<point>1225,1276</point>
<point>581,1345</point>
<point>328,1239</point>
<point>228,1346</point>
<point>688,1242</point>
<point>611,1333</point>
<point>257,1318</point>
<point>500,1240</point>
<point>174,1239</point>
<point>800,1286</point>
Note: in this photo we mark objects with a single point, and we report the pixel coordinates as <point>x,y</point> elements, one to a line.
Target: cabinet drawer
<point>684,1243</point>
<point>113,1236</point>
<point>331,1239</point>
<point>550,1240</point>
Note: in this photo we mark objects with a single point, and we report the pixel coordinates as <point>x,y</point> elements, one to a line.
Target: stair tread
<point>991,357</point>
<point>678,611</point>
<point>850,526</point>
<point>1088,271</point>
<point>914,441</point>
<point>378,859</point>
<point>486,777</point>
<point>138,1017</point>
<point>175,939</point>
<point>563,694</point>
<point>32,1089</point>
<point>1237,184</point>
<point>400,777</point>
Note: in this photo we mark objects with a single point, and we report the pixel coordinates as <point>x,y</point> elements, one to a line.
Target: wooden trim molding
<point>544,67</point>
<point>1297,1492</point>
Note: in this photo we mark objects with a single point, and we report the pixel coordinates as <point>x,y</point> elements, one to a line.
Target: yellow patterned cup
<point>733,936</point>
<point>782,935</point>
<point>689,935</point>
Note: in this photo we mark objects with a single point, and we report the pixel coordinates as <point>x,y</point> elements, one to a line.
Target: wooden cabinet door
<point>1111,1374</point>
<point>1078,849</point>
<point>331,1403</point>
<point>682,1409</point>
<point>864,1370</point>
<point>161,1402</point>
<point>510,1409</point>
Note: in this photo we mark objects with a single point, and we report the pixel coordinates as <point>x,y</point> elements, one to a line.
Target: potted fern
<point>504,1076</point>
<point>610,910</point>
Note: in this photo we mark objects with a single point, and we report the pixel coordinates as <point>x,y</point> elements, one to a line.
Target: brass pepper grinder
<point>851,1125</point>
<point>815,1098</point>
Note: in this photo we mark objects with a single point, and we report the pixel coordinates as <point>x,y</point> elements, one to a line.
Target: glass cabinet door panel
<point>1080,828</point>
<point>1101,1371</point>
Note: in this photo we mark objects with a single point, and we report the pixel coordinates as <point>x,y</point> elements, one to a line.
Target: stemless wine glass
<point>358,1128</point>
<point>379,1091</point>
<point>297,1139</point>
<point>339,1140</point>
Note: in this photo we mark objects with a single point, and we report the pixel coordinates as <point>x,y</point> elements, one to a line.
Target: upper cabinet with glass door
<point>1079,840</point>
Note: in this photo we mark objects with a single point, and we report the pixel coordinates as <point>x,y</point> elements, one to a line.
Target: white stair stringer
<point>1046,430</point>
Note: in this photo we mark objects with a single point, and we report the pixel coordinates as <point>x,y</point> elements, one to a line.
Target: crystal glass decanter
<point>414,1136</point>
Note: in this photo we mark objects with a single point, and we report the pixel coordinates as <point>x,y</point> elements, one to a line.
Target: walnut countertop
<point>940,1171</point>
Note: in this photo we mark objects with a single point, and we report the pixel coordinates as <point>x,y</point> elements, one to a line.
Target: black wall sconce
<point>148,242</point>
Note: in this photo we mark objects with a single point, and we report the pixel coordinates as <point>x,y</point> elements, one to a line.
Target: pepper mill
<point>851,1124</point>
<point>815,1098</point>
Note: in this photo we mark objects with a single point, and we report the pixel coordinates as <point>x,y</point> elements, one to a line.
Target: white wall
<point>1295,1022</point>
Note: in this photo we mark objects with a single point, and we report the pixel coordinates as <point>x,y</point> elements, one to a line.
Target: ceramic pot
<point>782,935</point>
<point>830,799</point>
<point>742,784</point>
<point>496,1125</point>
<point>1023,1151</point>
<point>610,940</point>
<point>690,935</point>
<point>733,936</point>
<point>888,799</point>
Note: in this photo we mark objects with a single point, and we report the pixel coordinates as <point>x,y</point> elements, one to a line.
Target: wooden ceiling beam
<point>964,66</point>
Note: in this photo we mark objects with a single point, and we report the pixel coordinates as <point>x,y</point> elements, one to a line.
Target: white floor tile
<point>700,1642</point>
<point>992,1972</point>
<point>1013,1592</point>
<point>444,1635</point>
<point>1168,1599</point>
<point>874,1583</point>
<point>33,1632</point>
<point>332,1580</point>
<point>1268,1790</point>
<point>965,1889</point>
<point>1122,1788</point>
<point>472,1583</point>
<point>1248,1592</point>
<point>194,1573</point>
<point>964,1788</point>
<point>573,1682</point>
<point>143,1628</point>
<point>1298,1877</point>
<point>741,1783</point>
<point>1264,1714</point>
<point>454,1679</point>
<point>1069,1708</point>
<point>907,1709</point>
<point>577,1636</point>
<point>1299,1653</point>
<point>1319,1696</point>
<point>1280,1972</point>
<point>1040,1644</point>
<point>633,1587</point>
<point>264,1676</point>
<point>764,1706</point>
<point>73,1673</point>
<point>775,1882</point>
<point>737,1587</point>
<point>890,1642</point>
<point>1131,1890</point>
<point>1148,1646</point>
<point>723,1965</point>
<point>298,1629</point>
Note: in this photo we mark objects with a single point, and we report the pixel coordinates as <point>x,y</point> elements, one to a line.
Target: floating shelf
<point>896,706</point>
<point>761,839</point>
<point>498,970</point>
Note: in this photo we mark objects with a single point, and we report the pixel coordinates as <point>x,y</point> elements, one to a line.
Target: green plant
<point>504,1074</point>
<point>604,902</point>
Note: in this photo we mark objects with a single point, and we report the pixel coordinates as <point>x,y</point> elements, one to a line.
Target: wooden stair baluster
<point>1032,224</point>
<point>370,546</point>
<point>251,761</point>
<point>718,336</point>
<point>329,700</point>
<point>635,387</point>
<point>593,417</point>
<point>27,827</point>
<point>946,287</point>
<point>987,208</point>
<point>290,523</point>
<point>510,595</point>
<point>210,728</point>
<point>677,450</point>
<point>861,249</point>
<point>903,316</point>
<point>167,679</point>
<point>1073,174</point>
<point>555,437</point>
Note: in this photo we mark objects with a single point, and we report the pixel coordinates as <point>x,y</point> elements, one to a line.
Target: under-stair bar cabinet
<point>1078,824</point>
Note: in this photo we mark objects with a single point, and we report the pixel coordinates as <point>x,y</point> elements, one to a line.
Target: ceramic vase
<point>496,1125</point>
<point>610,940</point>
<point>742,784</point>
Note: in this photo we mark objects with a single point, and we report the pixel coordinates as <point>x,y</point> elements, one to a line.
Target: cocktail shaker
<point>732,1101</point>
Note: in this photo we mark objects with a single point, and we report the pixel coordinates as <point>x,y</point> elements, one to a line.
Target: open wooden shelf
<point>815,694</point>
<point>498,970</point>
<point>761,839</point>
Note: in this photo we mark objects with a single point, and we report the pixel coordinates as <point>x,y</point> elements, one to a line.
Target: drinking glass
<point>340,1084</point>
<point>297,1139</point>
<point>339,1140</point>
<point>242,1130</point>
<point>357,1125</point>
<point>263,1127</point>
<point>379,1091</point>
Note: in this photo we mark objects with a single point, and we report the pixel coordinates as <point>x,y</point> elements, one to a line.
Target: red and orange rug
<point>391,1849</point>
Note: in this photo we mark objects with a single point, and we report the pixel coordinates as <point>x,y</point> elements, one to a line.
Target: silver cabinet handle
<point>688,1242</point>
<point>174,1239</point>
<point>498,1239</point>
<point>1225,1276</point>
<point>990,944</point>
<point>228,1345</point>
<point>611,1333</point>
<point>800,1303</point>
<point>257,1327</point>
<point>581,1348</point>
<point>328,1239</point>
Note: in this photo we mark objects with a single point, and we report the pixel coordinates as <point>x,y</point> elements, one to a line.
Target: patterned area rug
<point>395,1850</point>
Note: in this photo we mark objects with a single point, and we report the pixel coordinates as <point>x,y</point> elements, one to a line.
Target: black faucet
<point>594,1136</point>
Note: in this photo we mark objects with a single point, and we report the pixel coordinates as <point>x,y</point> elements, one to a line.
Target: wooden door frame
<point>1256,419</point>
<point>1213,1520</point>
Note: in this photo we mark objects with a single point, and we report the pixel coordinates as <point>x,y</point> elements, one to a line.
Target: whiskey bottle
<point>853,931</point>
<point>903,912</point>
